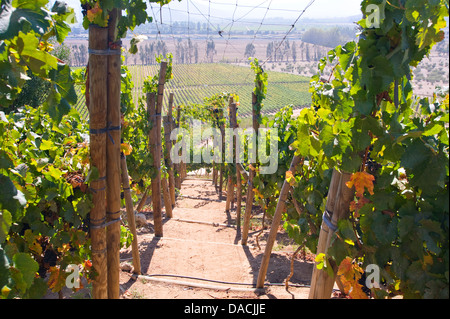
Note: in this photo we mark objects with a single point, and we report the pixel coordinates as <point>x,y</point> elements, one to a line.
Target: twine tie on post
<point>327,219</point>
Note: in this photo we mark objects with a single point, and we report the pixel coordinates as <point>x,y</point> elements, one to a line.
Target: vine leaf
<point>290,178</point>
<point>24,270</point>
<point>350,272</point>
<point>126,149</point>
<point>22,16</point>
<point>361,180</point>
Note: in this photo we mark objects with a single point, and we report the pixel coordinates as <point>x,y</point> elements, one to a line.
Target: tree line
<point>277,51</point>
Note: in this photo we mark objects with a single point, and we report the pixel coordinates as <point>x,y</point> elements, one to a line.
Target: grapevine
<point>362,121</point>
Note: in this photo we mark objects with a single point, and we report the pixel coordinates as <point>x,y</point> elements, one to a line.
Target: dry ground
<point>211,252</point>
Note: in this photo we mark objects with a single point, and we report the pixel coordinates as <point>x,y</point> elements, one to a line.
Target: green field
<point>191,83</point>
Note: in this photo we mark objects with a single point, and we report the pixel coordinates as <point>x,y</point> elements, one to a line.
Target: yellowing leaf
<point>357,292</point>
<point>360,181</point>
<point>350,242</point>
<point>350,272</point>
<point>290,178</point>
<point>126,148</point>
<point>65,248</point>
<point>94,12</point>
<point>5,291</point>
<point>36,248</point>
<point>53,280</point>
<point>258,195</point>
<point>320,260</point>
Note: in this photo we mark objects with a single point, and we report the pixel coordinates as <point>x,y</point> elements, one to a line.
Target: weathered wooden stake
<point>250,193</point>
<point>156,120</point>
<point>230,184</point>
<point>156,178</point>
<point>143,199</point>
<point>113,203</point>
<point>234,125</point>
<point>169,148</point>
<point>178,165</point>
<point>166,196</point>
<point>98,68</point>
<point>130,215</point>
<point>222,166</point>
<point>337,208</point>
<point>275,224</point>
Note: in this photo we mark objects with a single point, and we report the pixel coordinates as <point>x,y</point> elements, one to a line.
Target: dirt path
<point>202,242</point>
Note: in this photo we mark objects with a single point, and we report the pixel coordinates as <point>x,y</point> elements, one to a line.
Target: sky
<point>252,9</point>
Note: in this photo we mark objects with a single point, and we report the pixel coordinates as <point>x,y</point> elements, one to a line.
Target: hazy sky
<point>289,9</point>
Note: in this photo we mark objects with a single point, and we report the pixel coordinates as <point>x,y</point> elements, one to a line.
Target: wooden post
<point>221,177</point>
<point>234,125</point>
<point>251,174</point>
<point>214,177</point>
<point>143,199</point>
<point>230,184</point>
<point>164,183</point>
<point>156,178</point>
<point>156,120</point>
<point>166,196</point>
<point>98,68</point>
<point>275,224</point>
<point>113,203</point>
<point>169,148</point>
<point>337,208</point>
<point>130,215</point>
<point>178,165</point>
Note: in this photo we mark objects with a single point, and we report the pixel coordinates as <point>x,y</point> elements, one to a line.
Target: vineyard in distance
<point>191,83</point>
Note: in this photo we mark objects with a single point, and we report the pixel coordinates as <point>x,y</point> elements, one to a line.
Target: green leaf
<point>384,227</point>
<point>346,54</point>
<point>5,224</point>
<point>48,145</point>
<point>11,199</point>
<point>39,62</point>
<point>426,168</point>
<point>134,42</point>
<point>37,289</point>
<point>26,268</point>
<point>346,229</point>
<point>433,129</point>
<point>4,267</point>
<point>65,16</point>
<point>19,16</point>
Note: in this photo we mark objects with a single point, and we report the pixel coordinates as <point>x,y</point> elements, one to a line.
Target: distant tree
<point>196,53</point>
<point>161,48</point>
<point>329,37</point>
<point>250,50</point>
<point>142,54</point>
<point>211,50</point>
<point>179,52</point>
<point>286,50</point>
<point>269,50</point>
<point>294,52</point>
<point>63,53</point>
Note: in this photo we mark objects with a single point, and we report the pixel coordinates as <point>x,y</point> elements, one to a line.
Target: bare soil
<point>201,245</point>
